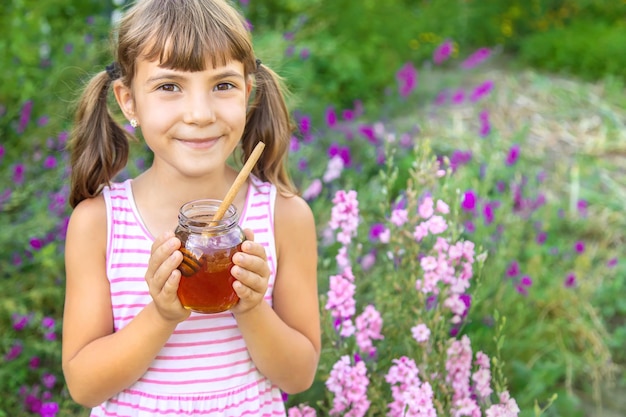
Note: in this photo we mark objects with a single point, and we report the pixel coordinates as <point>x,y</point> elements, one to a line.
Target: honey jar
<point>208,246</point>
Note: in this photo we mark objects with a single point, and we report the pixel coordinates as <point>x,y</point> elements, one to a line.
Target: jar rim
<point>198,214</point>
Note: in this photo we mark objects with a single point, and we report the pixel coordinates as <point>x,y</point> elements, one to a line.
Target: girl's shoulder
<point>293,217</point>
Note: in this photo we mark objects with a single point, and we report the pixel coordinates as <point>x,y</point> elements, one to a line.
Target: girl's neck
<point>159,197</point>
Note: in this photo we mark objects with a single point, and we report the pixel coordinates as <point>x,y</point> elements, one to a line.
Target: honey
<point>206,285</point>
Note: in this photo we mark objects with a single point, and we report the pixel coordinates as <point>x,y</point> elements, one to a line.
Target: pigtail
<point>99,146</point>
<point>268,121</point>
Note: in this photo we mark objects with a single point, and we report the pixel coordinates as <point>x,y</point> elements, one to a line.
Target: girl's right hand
<point>162,277</point>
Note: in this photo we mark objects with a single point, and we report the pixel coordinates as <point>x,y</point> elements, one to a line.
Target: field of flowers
<point>470,233</point>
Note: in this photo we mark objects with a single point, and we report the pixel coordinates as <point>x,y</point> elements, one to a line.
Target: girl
<point>186,75</point>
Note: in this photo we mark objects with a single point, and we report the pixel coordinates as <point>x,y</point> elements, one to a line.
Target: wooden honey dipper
<point>191,264</point>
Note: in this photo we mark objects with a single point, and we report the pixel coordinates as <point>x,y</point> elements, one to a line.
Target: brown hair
<point>181,34</point>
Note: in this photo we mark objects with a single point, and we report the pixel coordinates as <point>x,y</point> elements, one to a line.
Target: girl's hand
<point>163,277</point>
<point>252,274</point>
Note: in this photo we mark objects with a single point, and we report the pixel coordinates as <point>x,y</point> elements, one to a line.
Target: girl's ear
<point>249,85</point>
<point>124,97</point>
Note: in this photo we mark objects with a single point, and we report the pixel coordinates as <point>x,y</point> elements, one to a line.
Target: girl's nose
<point>199,109</point>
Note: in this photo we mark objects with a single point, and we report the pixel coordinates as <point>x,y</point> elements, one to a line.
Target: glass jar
<point>206,285</point>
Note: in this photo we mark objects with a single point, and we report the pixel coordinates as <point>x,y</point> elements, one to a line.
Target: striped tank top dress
<point>204,369</point>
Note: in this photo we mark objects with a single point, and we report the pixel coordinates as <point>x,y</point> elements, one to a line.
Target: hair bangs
<point>188,41</point>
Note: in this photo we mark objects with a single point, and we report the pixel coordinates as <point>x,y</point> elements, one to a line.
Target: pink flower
<point>437,225</point>
<point>426,209</point>
<point>341,301</point>
<point>442,52</point>
<point>442,207</point>
<point>420,232</point>
<point>333,169</point>
<point>421,333</point>
<point>349,384</point>
<point>407,79</point>
<point>345,215</point>
<point>368,327</point>
<point>399,217</point>
<point>476,58</point>
<point>301,411</point>
<point>313,190</point>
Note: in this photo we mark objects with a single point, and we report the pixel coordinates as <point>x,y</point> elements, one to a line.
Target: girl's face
<point>192,121</point>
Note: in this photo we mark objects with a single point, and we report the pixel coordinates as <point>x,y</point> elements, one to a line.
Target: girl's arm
<point>98,363</point>
<point>284,342</point>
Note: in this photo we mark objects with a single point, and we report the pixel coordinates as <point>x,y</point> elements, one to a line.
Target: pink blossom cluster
<point>301,411</point>
<point>349,385</point>
<point>507,407</point>
<point>447,264</point>
<point>411,397</point>
<point>345,215</point>
<point>459,371</point>
<point>341,301</point>
<point>368,327</point>
<point>481,378</point>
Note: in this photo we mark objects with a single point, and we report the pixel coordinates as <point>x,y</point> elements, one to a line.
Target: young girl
<point>187,77</point>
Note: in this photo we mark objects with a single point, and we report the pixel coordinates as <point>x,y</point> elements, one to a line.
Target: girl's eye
<point>168,87</point>
<point>224,87</point>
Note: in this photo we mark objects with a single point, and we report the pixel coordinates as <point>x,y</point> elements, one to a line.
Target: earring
<point>133,123</point>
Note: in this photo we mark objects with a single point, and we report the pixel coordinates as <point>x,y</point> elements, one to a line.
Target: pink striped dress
<point>204,369</point>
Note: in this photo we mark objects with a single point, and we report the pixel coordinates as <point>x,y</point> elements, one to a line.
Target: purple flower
<point>331,117</point>
<point>32,403</point>
<point>20,321</point>
<point>407,79</point>
<point>541,238</point>
<point>347,115</point>
<point>14,352</point>
<point>458,97</point>
<point>611,263</point>
<point>570,281</point>
<point>481,91</point>
<point>369,133</point>
<point>488,213</point>
<point>305,53</point>
<point>459,158</point>
<point>290,50</point>
<point>49,409</point>
<point>485,125</point>
<point>2,151</point>
<point>469,226</point>
<point>476,58</point>
<point>513,269</point>
<point>579,246</point>
<point>442,52</point>
<point>34,362</point>
<point>18,173</point>
<point>469,201</point>
<point>375,231</point>
<point>47,322</point>
<point>513,155</point>
<point>294,144</point>
<point>36,243</point>
<point>27,109</point>
<point>526,281</point>
<point>50,162</point>
<point>42,121</point>
<point>48,380</point>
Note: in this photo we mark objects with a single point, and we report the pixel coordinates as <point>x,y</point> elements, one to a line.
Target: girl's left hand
<point>252,272</point>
